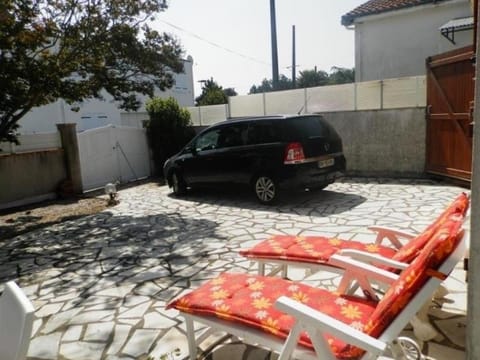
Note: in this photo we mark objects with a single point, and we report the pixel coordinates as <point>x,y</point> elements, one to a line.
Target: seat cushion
<point>250,299</point>
<point>410,250</point>
<point>310,249</point>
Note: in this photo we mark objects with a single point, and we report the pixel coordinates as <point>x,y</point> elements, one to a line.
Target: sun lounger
<point>314,252</point>
<point>298,320</point>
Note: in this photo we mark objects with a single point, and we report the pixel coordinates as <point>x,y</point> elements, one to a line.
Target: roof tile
<point>379,6</point>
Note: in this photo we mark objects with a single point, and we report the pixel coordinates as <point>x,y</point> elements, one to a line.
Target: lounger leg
<point>261,268</point>
<point>284,271</point>
<point>290,343</point>
<point>192,344</point>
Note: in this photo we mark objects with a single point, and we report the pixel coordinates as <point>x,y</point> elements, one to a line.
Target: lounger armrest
<point>359,268</point>
<point>391,234</point>
<point>316,322</point>
<point>374,259</point>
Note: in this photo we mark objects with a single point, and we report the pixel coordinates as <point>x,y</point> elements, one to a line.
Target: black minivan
<point>268,153</point>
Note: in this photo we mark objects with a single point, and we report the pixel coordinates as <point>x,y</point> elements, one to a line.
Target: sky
<point>230,41</point>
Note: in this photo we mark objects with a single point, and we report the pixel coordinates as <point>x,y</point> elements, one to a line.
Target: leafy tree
<point>168,129</point>
<point>341,76</point>
<point>75,49</point>
<point>311,78</point>
<point>214,94</point>
<point>308,78</point>
<point>284,83</point>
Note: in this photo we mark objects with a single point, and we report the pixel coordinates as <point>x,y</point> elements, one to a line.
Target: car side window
<point>262,132</point>
<point>232,136</point>
<point>208,141</point>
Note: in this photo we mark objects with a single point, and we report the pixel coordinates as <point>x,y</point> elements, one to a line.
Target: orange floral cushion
<point>250,299</point>
<point>310,249</point>
<point>410,250</point>
<point>411,280</point>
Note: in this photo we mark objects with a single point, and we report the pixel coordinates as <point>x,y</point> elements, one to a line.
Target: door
<point>199,164</point>
<point>450,94</point>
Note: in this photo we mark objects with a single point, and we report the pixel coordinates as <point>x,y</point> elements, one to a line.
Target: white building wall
<point>396,44</point>
<point>96,113</point>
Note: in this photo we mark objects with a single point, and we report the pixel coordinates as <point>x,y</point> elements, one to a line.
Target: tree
<point>311,78</point>
<point>284,83</point>
<point>76,49</point>
<point>341,76</point>
<point>168,129</point>
<point>214,94</point>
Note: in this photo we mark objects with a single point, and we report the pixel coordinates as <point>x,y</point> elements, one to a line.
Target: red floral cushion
<point>411,280</point>
<point>310,249</point>
<point>250,299</point>
<point>410,250</point>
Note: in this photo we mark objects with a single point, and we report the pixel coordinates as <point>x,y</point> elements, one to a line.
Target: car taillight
<point>294,153</point>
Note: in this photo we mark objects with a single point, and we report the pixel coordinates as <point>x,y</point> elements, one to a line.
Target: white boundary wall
<point>407,92</point>
<point>385,94</point>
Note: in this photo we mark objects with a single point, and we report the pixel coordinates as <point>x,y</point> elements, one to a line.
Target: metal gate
<point>450,94</point>
<point>110,153</point>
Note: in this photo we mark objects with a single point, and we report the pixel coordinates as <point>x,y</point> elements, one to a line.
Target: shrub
<point>169,128</point>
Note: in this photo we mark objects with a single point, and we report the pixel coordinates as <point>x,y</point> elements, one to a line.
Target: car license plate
<point>326,163</point>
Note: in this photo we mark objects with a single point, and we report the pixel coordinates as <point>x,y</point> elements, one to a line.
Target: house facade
<point>96,113</point>
<point>394,37</point>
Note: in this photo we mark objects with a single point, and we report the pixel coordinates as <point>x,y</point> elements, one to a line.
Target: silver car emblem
<point>326,146</point>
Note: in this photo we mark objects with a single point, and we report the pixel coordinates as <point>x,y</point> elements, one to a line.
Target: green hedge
<point>169,128</point>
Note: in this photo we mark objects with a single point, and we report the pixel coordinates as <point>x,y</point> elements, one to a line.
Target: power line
<point>215,44</point>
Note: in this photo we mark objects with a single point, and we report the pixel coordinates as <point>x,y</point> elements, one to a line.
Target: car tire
<point>178,184</point>
<point>265,189</point>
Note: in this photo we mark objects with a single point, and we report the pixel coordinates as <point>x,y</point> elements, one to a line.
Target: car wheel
<point>178,185</point>
<point>265,189</point>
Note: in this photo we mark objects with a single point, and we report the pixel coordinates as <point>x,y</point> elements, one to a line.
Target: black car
<point>269,154</point>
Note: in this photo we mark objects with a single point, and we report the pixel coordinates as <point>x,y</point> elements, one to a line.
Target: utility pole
<point>294,65</point>
<point>273,24</point>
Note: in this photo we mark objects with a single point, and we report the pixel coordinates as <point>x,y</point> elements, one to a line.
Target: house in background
<point>96,113</point>
<point>394,37</point>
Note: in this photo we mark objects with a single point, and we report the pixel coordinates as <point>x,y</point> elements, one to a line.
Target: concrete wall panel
<point>30,176</point>
<point>382,142</point>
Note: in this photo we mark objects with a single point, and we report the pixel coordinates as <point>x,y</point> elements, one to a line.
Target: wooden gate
<point>450,94</point>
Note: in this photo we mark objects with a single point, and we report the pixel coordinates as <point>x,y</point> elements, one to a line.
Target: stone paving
<point>99,284</point>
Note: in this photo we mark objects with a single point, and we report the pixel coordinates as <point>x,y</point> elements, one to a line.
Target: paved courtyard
<point>100,283</point>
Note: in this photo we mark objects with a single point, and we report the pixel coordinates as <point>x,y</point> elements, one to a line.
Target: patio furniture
<point>16,319</point>
<point>314,252</point>
<point>298,320</point>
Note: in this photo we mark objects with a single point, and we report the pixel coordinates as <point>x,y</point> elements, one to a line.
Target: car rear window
<point>309,127</point>
<point>263,132</point>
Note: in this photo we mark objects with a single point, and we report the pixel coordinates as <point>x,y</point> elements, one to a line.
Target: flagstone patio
<point>100,283</point>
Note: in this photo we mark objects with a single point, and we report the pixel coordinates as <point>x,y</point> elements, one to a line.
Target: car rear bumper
<point>310,175</point>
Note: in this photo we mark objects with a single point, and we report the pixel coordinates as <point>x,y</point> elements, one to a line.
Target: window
<point>234,135</point>
<point>263,132</point>
<point>208,141</point>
